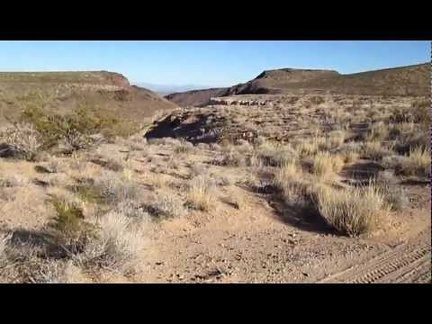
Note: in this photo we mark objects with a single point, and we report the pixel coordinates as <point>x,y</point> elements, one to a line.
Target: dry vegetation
<point>92,204</point>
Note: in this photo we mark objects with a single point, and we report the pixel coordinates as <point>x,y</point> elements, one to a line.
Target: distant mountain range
<point>165,89</point>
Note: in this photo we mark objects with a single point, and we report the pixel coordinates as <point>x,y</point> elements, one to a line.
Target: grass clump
<point>352,211</point>
<point>117,247</point>
<point>417,163</point>
<point>326,165</point>
<point>199,195</point>
<point>166,205</point>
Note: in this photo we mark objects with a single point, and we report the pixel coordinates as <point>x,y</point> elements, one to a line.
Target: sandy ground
<point>254,246</point>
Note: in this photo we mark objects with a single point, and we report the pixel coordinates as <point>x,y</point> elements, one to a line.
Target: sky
<point>208,63</point>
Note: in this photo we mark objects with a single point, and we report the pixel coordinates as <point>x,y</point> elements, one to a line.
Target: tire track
<point>408,262</point>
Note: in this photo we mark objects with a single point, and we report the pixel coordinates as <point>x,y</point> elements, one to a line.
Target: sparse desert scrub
<point>24,264</point>
<point>75,130</point>
<point>25,140</point>
<point>197,169</point>
<point>350,156</point>
<point>421,112</point>
<point>110,163</point>
<point>236,201</point>
<point>409,136</point>
<point>352,211</point>
<point>231,157</point>
<point>55,165</point>
<point>109,188</point>
<point>135,210</point>
<point>375,150</point>
<point>308,147</point>
<point>13,180</point>
<point>166,205</point>
<point>336,138</point>
<point>57,180</point>
<point>4,262</point>
<point>243,146</point>
<point>316,100</point>
<point>157,180</point>
<point>325,165</point>
<point>395,196</point>
<point>378,132</point>
<point>184,148</point>
<point>117,247</point>
<point>274,154</point>
<point>293,183</point>
<point>69,229</point>
<point>164,141</point>
<point>199,194</point>
<point>418,163</point>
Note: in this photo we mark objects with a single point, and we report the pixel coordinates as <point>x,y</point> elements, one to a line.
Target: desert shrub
<point>134,210</point>
<point>418,163</point>
<point>326,165</point>
<point>292,182</point>
<point>395,196</point>
<point>110,163</point>
<point>164,141</point>
<point>412,139</point>
<point>199,195</point>
<point>375,150</point>
<point>117,247</point>
<point>4,239</point>
<point>350,156</point>
<point>421,110</point>
<point>275,154</point>
<point>25,140</point>
<point>108,189</point>
<point>74,129</point>
<point>418,113</point>
<point>316,100</point>
<point>352,211</point>
<point>184,148</point>
<point>166,205</point>
<point>68,229</point>
<point>336,139</point>
<point>231,157</point>
<point>378,132</point>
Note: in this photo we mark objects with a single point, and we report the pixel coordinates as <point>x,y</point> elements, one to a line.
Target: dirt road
<point>408,262</point>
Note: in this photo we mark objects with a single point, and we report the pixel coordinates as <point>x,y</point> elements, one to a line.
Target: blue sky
<point>209,63</point>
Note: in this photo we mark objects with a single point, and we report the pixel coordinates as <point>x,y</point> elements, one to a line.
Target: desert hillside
<point>196,97</point>
<point>409,80</point>
<point>106,92</point>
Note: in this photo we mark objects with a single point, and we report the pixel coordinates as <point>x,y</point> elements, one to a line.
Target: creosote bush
<point>76,129</point>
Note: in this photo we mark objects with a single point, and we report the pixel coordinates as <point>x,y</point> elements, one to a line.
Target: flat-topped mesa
<point>296,75</point>
<point>66,77</point>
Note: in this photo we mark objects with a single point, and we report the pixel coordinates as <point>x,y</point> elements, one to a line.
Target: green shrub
<point>68,229</point>
<point>74,129</point>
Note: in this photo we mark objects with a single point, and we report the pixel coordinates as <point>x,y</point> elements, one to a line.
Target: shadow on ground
<point>301,215</point>
<point>41,240</point>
